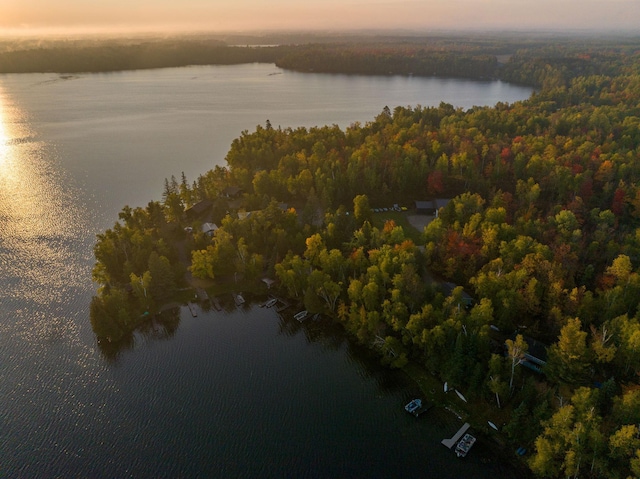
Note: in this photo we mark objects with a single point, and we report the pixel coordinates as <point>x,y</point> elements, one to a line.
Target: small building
<point>467,300</point>
<point>440,203</point>
<point>536,356</point>
<point>199,209</point>
<point>232,191</point>
<point>209,228</point>
<point>425,207</point>
<point>431,207</point>
<point>243,215</point>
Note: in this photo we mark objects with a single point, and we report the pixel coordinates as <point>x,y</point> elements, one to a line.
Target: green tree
<point>361,209</point>
<point>569,358</point>
<point>496,383</point>
<point>516,351</point>
<point>162,285</point>
<point>141,286</point>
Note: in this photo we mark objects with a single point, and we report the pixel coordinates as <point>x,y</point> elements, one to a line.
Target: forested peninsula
<point>533,261</point>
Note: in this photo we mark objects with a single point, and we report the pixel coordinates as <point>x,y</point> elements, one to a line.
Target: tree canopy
<point>540,245</point>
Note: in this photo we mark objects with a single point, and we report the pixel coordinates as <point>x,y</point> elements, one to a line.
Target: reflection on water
<point>162,326</point>
<point>38,223</point>
<point>46,367</point>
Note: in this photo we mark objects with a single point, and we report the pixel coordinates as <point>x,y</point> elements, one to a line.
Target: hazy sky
<point>234,15</point>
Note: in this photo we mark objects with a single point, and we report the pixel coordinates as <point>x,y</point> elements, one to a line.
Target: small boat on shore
<point>461,396</point>
<point>464,445</point>
<point>238,299</point>
<point>271,302</point>
<point>301,315</point>
<point>413,406</point>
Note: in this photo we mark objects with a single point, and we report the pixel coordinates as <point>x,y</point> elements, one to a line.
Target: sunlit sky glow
<point>83,16</point>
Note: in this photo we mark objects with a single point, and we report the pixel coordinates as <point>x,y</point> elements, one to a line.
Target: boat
<point>446,387</point>
<point>461,396</point>
<point>301,315</point>
<point>413,406</point>
<point>238,299</point>
<point>464,445</point>
<point>493,425</point>
<point>271,302</point>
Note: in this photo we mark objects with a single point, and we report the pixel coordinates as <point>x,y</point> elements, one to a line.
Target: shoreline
<point>433,391</point>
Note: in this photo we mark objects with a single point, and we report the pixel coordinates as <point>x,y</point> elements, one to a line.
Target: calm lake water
<point>239,393</point>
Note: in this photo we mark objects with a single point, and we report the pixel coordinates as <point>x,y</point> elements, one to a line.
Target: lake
<point>238,393</point>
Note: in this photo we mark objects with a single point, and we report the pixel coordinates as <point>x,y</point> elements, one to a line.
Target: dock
<point>239,300</point>
<point>282,305</point>
<point>452,441</point>
<point>216,304</point>
<point>202,294</point>
<point>193,309</point>
<point>426,405</point>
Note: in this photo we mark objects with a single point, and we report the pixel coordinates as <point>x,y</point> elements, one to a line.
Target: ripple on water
<point>50,375</point>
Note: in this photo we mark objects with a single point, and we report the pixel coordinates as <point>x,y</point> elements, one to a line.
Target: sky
<point>103,16</point>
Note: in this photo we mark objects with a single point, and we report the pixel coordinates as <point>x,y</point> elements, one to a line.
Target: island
<point>520,288</point>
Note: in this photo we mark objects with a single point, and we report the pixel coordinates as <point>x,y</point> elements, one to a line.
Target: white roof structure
<point>209,228</point>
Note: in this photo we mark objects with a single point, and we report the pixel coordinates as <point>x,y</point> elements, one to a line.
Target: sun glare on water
<point>4,137</point>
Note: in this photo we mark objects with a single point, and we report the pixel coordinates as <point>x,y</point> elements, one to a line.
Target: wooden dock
<point>282,305</point>
<point>452,441</point>
<point>202,294</point>
<point>216,304</point>
<point>426,405</point>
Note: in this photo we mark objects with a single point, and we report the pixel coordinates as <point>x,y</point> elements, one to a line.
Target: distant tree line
<point>116,57</point>
<point>524,61</point>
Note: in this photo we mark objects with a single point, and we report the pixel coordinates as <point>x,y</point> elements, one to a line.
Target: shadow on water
<point>162,326</point>
<point>330,335</point>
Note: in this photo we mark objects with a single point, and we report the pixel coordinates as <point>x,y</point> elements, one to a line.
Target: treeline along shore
<point>523,59</point>
<point>536,246</point>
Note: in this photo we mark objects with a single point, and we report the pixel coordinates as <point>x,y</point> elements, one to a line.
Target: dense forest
<point>524,59</point>
<point>540,243</point>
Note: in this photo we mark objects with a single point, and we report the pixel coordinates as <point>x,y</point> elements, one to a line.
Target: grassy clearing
<point>400,218</point>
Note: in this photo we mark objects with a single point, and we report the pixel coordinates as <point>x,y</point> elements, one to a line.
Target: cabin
<point>424,207</point>
<point>467,299</point>
<point>536,356</point>
<point>232,192</point>
<point>430,207</point>
<point>209,228</point>
<point>199,209</point>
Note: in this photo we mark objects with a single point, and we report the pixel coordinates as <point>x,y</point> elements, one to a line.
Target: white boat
<point>492,425</point>
<point>271,302</point>
<point>300,316</point>
<point>446,387</point>
<point>413,406</point>
<point>238,299</point>
<point>461,396</point>
<point>464,445</point>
